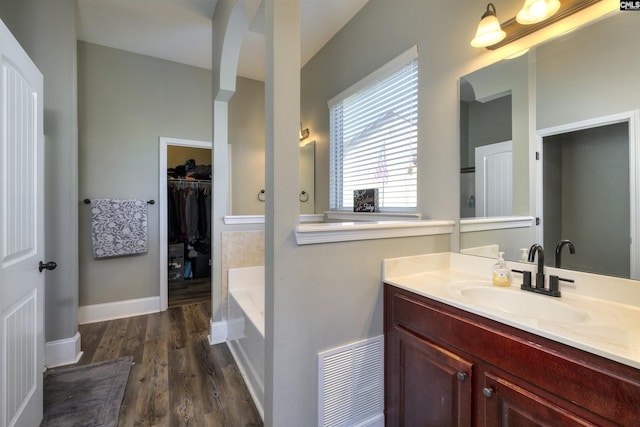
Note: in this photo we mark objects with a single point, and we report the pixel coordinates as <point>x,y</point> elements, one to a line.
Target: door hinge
<point>537,220</point>
<point>537,155</point>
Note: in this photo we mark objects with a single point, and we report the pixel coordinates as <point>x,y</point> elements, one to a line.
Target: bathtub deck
<point>178,378</point>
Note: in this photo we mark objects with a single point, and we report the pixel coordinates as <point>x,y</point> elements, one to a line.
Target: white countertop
<point>600,326</point>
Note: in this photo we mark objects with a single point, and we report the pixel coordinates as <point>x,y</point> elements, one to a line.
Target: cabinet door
<point>430,386</point>
<point>508,404</point>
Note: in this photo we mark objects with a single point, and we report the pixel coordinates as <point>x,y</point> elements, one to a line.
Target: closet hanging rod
<point>195,181</point>
<point>149,202</point>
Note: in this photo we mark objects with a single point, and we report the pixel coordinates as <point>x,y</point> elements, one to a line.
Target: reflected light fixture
<point>489,31</point>
<point>535,11</point>
<point>304,133</point>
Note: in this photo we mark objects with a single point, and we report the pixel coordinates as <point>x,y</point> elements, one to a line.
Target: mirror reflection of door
<point>484,125</point>
<point>494,179</point>
<point>587,171</point>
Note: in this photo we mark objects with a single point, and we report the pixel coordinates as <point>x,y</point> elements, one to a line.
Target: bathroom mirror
<point>307,177</point>
<point>577,82</point>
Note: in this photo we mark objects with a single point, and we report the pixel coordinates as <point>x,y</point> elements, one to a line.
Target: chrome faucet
<point>536,248</point>
<point>559,246</point>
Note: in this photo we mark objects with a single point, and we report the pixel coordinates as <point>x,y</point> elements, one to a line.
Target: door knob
<point>487,391</point>
<point>48,266</point>
<point>461,376</point>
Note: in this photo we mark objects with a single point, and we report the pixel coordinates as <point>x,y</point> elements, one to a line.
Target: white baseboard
<point>218,332</point>
<point>235,328</point>
<point>251,378</point>
<point>375,421</point>
<point>117,310</point>
<point>62,352</point>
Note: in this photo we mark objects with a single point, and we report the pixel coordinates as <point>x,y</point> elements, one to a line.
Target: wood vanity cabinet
<point>448,367</point>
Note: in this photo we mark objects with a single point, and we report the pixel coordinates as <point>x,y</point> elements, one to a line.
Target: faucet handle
<point>554,284</point>
<point>526,277</point>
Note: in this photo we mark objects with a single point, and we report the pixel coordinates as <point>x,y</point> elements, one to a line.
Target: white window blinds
<point>374,136</point>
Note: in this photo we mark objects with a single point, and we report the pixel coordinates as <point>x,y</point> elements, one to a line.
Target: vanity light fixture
<point>489,31</point>
<point>516,29</point>
<point>535,11</point>
<point>304,133</point>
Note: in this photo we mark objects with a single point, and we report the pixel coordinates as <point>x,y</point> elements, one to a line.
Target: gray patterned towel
<point>118,227</point>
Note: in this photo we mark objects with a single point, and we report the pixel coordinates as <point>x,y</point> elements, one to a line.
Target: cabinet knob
<point>461,376</point>
<point>487,391</point>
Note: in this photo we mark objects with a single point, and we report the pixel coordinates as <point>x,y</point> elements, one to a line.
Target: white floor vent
<point>351,385</point>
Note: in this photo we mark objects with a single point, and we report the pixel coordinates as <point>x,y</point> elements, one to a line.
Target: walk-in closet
<point>189,225</point>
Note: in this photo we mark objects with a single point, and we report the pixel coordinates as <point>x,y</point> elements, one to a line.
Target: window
<point>374,136</point>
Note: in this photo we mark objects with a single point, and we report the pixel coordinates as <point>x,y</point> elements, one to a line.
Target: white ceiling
<point>180,30</point>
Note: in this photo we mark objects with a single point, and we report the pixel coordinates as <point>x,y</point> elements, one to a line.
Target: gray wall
<point>489,123</point>
<point>591,72</point>
<point>246,136</point>
<point>318,308</point>
<point>328,296</point>
<point>46,30</point>
<point>126,102</point>
<point>591,186</point>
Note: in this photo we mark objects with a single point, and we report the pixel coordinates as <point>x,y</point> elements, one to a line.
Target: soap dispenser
<point>501,274</point>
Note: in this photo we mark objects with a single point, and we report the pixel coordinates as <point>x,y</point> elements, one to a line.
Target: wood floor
<point>178,379</point>
<point>189,291</point>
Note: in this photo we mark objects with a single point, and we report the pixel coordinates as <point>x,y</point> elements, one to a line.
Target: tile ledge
<point>259,219</point>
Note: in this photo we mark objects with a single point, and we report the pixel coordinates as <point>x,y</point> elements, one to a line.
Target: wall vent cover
<point>351,384</point>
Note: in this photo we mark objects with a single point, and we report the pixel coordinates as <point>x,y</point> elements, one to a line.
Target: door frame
<point>632,118</point>
<point>163,242</point>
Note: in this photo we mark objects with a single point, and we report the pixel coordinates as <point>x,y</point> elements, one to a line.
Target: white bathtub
<point>246,327</point>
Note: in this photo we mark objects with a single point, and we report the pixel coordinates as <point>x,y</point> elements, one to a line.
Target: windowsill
<point>307,234</point>
<point>372,216</point>
<point>468,225</point>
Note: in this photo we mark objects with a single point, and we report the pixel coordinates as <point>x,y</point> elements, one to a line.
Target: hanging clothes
<point>191,215</point>
<point>189,210</point>
<point>189,222</point>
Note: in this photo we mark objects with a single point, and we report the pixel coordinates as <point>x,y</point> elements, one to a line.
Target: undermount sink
<point>515,302</point>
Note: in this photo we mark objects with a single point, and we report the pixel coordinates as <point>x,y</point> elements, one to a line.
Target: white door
<point>494,179</point>
<point>21,236</point>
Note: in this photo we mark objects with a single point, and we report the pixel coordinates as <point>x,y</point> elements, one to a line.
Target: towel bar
<point>150,202</point>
